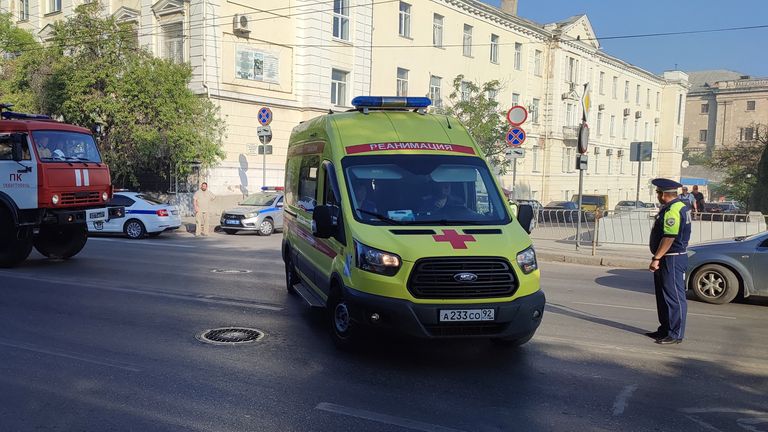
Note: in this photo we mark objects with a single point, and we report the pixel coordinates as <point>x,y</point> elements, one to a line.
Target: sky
<point>744,51</point>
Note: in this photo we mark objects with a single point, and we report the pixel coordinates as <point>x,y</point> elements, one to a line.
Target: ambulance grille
<point>433,278</point>
<point>69,198</point>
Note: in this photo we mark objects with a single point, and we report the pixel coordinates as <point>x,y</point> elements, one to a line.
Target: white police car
<point>261,212</point>
<point>144,215</point>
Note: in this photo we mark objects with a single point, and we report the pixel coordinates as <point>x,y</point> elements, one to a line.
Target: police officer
<point>669,240</point>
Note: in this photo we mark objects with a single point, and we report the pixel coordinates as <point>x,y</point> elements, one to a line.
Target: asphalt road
<point>107,342</point>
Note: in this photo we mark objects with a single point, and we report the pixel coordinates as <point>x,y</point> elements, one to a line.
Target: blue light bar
<point>390,102</point>
<point>10,115</point>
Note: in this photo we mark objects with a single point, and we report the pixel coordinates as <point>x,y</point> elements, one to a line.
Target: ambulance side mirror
<point>324,223</point>
<point>525,217</point>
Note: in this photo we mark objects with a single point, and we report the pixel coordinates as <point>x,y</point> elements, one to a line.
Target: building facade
<point>303,58</point>
<point>725,108</point>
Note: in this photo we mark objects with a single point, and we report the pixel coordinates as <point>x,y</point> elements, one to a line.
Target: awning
<point>690,181</point>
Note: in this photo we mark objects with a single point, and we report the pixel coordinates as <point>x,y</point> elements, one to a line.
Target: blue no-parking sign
<point>265,116</point>
<point>515,136</point>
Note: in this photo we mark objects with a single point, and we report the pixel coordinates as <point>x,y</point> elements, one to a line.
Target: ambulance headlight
<point>376,261</point>
<point>527,260</point>
<point>104,196</point>
<point>55,199</point>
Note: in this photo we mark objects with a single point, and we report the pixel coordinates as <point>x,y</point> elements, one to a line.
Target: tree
<point>760,192</point>
<point>740,163</point>
<point>147,119</point>
<point>17,46</point>
<point>473,104</point>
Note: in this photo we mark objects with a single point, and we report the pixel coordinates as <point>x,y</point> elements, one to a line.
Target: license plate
<point>232,222</point>
<point>447,315</point>
<point>97,215</point>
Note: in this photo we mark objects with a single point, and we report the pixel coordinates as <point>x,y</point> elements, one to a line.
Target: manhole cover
<point>230,335</point>
<point>230,271</point>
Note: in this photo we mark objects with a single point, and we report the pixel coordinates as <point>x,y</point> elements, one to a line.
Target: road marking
<point>723,411</point>
<point>194,297</point>
<point>651,310</point>
<point>32,348</point>
<point>142,243</point>
<point>383,418</point>
<point>702,423</point>
<point>620,404</point>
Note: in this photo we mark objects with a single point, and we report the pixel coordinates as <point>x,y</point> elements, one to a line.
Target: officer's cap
<point>666,185</point>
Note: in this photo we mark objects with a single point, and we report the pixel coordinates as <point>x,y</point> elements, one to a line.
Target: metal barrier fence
<point>634,227</point>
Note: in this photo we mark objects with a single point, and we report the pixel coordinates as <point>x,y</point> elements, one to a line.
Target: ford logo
<point>465,277</point>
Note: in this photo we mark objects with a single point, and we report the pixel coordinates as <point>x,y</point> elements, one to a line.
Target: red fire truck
<point>52,181</point>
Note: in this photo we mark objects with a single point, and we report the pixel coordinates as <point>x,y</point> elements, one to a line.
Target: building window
<point>602,83</point>
<point>437,30</point>
<point>613,126</point>
<point>679,109</point>
<point>515,99</point>
<point>518,56</point>
<point>637,95</point>
<point>493,94</point>
<point>434,90</point>
<point>705,108</point>
<point>658,101</point>
<point>402,82</point>
<point>599,123</point>
<point>610,163</point>
<point>621,165</point>
<point>646,131</point>
<point>596,161</point>
<point>624,127</point>
<point>464,91</point>
<point>569,114</point>
<point>751,105</point>
<point>537,62</point>
<point>635,131</point>
<point>747,134</point>
<point>494,48</point>
<point>626,91</point>
<point>23,10</point>
<point>173,42</point>
<point>703,135</point>
<point>467,40</point>
<point>405,20</point>
<point>615,88</point>
<point>648,98</point>
<point>54,6</point>
<point>341,19</point>
<point>535,111</point>
<point>535,158</point>
<point>572,70</point>
<point>338,87</point>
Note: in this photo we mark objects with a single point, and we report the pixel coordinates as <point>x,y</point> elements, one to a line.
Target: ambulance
<point>394,220</point>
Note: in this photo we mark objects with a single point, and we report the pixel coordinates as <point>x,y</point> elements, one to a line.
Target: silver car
<point>261,212</point>
<point>719,271</point>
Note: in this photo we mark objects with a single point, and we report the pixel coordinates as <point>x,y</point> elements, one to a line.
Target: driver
<point>363,201</point>
<point>440,199</point>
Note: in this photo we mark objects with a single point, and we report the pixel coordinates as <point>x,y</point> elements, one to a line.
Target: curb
<point>591,260</point>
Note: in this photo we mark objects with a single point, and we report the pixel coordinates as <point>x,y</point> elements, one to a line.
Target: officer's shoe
<point>669,340</point>
<point>656,335</point>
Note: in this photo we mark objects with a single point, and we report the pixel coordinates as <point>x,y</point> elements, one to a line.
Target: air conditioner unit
<point>627,112</point>
<point>657,120</point>
<point>638,114</point>
<point>620,153</point>
<point>597,150</point>
<point>240,24</point>
<point>608,152</point>
<point>601,107</point>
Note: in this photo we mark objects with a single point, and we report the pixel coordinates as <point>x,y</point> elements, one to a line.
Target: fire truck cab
<point>52,181</point>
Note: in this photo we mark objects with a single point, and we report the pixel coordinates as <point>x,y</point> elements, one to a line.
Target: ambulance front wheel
<point>513,342</point>
<point>61,241</point>
<point>291,277</point>
<point>344,329</point>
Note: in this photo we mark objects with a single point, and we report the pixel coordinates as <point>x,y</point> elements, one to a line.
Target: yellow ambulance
<point>394,219</point>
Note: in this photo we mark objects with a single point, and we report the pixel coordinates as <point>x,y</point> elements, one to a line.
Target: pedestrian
<point>698,201</point>
<point>687,198</point>
<point>669,241</point>
<point>202,201</point>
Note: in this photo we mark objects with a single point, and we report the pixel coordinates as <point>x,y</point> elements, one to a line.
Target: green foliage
<point>760,193</point>
<point>740,164</point>
<point>695,158</point>
<point>480,114</point>
<point>94,75</point>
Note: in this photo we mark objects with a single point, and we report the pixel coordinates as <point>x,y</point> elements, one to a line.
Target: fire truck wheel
<point>61,241</point>
<point>15,243</point>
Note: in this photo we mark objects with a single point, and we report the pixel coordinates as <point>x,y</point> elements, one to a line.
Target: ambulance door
<point>333,246</point>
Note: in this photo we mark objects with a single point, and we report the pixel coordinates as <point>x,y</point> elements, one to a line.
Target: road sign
<point>640,151</point>
<point>515,153</point>
<point>581,162</point>
<point>517,115</point>
<point>265,149</point>
<point>586,101</point>
<point>515,136</point>
<point>265,116</point>
<point>583,142</point>
<point>264,133</point>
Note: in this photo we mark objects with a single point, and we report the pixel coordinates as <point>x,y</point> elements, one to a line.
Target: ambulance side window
<point>332,198</point>
<point>308,183</point>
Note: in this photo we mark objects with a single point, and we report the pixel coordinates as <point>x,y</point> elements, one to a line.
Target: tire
<point>291,277</point>
<point>715,284</point>
<point>344,330</point>
<point>134,229</point>
<point>15,243</point>
<point>513,342</point>
<point>154,234</point>
<point>61,241</point>
<point>230,231</point>
<point>267,227</point>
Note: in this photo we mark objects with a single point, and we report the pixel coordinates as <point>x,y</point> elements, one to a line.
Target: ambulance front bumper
<point>517,318</point>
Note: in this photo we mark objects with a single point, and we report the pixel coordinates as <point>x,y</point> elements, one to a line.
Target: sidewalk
<point>609,255</point>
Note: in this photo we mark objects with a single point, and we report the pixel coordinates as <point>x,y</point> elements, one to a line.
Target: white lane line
<point>80,357</point>
<point>383,418</point>
<point>723,411</point>
<point>193,297</point>
<point>620,404</point>
<point>650,310</point>
<point>142,242</point>
<point>702,423</point>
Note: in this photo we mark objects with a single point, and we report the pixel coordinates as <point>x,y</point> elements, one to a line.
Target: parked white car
<point>144,216</point>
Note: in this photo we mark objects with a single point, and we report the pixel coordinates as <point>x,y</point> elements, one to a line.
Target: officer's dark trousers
<point>670,295</point>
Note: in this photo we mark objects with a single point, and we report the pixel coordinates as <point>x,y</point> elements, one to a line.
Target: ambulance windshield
<point>58,146</point>
<point>423,190</point>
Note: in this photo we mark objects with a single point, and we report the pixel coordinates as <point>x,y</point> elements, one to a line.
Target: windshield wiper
<point>380,217</point>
